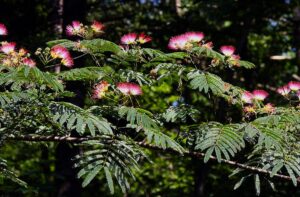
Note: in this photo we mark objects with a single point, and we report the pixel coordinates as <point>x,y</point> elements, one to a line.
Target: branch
<point>229,162</point>
<point>148,146</point>
<point>37,138</point>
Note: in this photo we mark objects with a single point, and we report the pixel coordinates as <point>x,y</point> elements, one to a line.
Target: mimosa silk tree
<point>117,125</point>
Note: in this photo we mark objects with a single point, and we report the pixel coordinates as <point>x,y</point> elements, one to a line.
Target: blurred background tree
<point>265,32</point>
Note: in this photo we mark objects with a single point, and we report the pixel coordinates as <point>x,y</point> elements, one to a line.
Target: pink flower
<point>6,62</point>
<point>100,89</point>
<point>249,110</point>
<point>74,29</point>
<point>268,108</point>
<point>247,97</point>
<point>143,38</point>
<point>59,52</point>
<point>294,85</point>
<point>227,50</point>
<point>97,27</point>
<point>129,88</point>
<point>234,60</point>
<point>8,47</point>
<point>124,88</point>
<point>29,62</point>
<point>284,90</point>
<point>129,38</point>
<point>22,51</point>
<point>3,30</point>
<point>235,57</point>
<point>208,45</point>
<point>68,61</point>
<point>260,95</point>
<point>62,53</point>
<point>186,40</point>
<point>178,42</point>
<point>135,89</point>
<point>194,36</point>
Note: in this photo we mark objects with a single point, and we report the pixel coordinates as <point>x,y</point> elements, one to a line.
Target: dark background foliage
<point>259,29</point>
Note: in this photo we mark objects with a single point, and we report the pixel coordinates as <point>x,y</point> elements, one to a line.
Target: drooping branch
<point>148,146</point>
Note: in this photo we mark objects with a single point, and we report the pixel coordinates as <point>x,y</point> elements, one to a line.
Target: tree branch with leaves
<point>119,120</point>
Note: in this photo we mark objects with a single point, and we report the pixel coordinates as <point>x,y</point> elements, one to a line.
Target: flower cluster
<point>13,57</point>
<point>187,40</point>
<point>253,101</point>
<point>62,53</point>
<point>29,62</point>
<point>258,95</point>
<point>3,30</point>
<point>290,89</point>
<point>100,89</point>
<point>126,88</point>
<point>228,51</point>
<point>129,88</point>
<point>133,38</point>
<point>8,47</point>
<point>97,27</point>
<point>76,28</point>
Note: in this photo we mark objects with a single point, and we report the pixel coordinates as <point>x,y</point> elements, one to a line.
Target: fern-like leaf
<point>74,117</point>
<point>116,156</point>
<point>224,140</point>
<point>25,75</point>
<point>8,174</point>
<point>81,74</point>
<point>140,119</point>
<point>205,82</point>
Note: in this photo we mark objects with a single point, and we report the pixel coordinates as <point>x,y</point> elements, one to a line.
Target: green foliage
<point>114,155</point>
<point>181,114</point>
<point>8,174</point>
<point>258,30</point>
<point>9,97</point>
<point>207,52</point>
<point>205,82</point>
<point>82,74</point>
<point>224,140</point>
<point>25,75</point>
<point>33,101</point>
<point>246,64</point>
<point>140,119</point>
<point>97,46</point>
<point>73,117</point>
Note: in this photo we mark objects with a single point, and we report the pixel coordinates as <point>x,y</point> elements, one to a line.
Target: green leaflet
<point>224,140</point>
<point>80,119</point>
<point>205,82</point>
<point>82,74</point>
<point>246,64</point>
<point>94,46</point>
<point>91,175</point>
<point>109,180</point>
<point>8,174</point>
<point>205,51</point>
<point>115,156</point>
<point>63,42</point>
<point>9,97</point>
<point>25,75</point>
<point>140,118</point>
<point>257,184</point>
<point>100,46</point>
